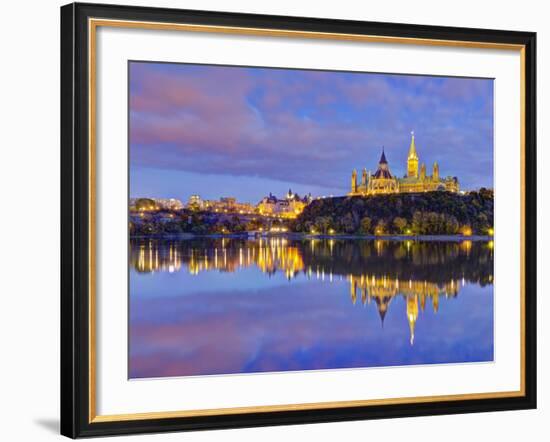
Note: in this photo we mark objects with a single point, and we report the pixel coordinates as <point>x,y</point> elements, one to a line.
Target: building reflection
<point>382,290</point>
<point>378,272</point>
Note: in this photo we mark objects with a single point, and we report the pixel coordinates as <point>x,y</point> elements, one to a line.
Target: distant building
<point>229,201</point>
<point>169,203</point>
<point>195,202</point>
<point>288,207</point>
<point>228,204</point>
<point>382,181</point>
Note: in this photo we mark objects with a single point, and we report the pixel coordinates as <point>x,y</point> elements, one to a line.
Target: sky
<point>235,131</point>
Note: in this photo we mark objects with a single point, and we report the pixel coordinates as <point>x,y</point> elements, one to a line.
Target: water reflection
<point>378,273</point>
<point>453,260</point>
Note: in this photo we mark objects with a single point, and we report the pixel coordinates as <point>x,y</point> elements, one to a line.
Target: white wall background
<point>29,219</point>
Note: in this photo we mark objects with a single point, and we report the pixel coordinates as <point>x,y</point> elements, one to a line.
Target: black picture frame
<point>75,220</point>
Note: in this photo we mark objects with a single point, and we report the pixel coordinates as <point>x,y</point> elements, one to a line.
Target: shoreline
<point>424,238</point>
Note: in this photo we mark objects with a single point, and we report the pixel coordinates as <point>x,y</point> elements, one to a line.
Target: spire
<point>383,157</point>
<point>412,314</point>
<point>382,304</point>
<point>412,149</point>
<point>383,170</point>
<point>412,160</point>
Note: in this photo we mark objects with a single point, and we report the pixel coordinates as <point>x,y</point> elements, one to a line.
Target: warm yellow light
<point>331,231</point>
<point>491,231</point>
<point>467,231</point>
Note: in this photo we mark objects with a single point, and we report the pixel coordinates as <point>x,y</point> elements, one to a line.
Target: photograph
<point>276,218</point>
<point>284,219</point>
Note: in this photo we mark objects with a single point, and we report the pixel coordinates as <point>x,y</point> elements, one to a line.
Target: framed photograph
<point>275,220</point>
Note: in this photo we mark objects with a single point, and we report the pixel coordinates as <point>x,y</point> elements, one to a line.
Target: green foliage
<point>432,223</point>
<point>429,213</point>
<point>198,223</point>
<point>145,204</point>
<point>381,227</point>
<point>366,225</point>
<point>400,224</point>
<point>323,224</point>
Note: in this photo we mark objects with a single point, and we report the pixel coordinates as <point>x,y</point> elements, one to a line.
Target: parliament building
<point>383,181</point>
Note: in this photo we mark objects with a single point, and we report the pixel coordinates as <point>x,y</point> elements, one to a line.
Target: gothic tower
<point>354,181</point>
<point>423,172</point>
<point>412,160</point>
<point>435,173</point>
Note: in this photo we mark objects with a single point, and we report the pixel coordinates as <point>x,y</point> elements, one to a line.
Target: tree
<point>436,224</point>
<point>323,223</point>
<point>146,204</point>
<point>452,225</point>
<point>253,225</point>
<point>347,223</point>
<point>365,226</point>
<point>482,223</point>
<point>419,223</point>
<point>381,227</point>
<point>400,224</point>
<point>172,227</point>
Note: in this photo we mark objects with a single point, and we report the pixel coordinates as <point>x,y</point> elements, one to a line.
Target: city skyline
<point>218,131</point>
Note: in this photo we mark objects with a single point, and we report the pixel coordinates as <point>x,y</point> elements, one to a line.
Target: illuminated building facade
<point>195,203</point>
<point>288,207</point>
<point>383,181</point>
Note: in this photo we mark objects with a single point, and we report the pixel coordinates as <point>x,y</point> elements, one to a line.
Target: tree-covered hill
<point>429,213</point>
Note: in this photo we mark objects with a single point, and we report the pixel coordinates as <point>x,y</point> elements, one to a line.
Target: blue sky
<point>238,131</point>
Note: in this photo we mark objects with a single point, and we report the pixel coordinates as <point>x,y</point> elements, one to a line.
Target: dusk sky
<point>231,131</point>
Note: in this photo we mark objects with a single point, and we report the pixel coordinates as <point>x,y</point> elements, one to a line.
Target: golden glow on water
<point>316,260</point>
<point>466,246</point>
